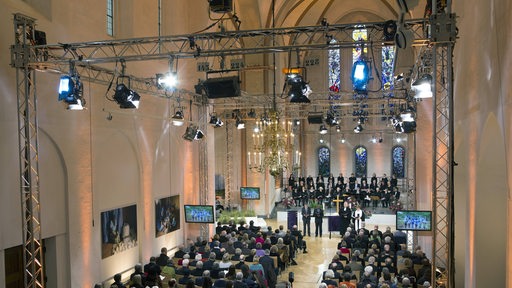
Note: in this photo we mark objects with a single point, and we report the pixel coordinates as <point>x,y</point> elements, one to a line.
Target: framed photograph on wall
<point>118,230</point>
<point>167,215</point>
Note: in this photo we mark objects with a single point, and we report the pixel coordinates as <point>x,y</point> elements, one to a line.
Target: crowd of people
<point>375,192</point>
<point>376,259</point>
<point>241,256</point>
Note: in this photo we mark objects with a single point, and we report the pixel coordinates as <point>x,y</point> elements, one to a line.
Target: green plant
<point>235,216</point>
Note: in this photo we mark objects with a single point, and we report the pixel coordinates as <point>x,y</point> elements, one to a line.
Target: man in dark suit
<point>269,269</point>
<point>318,213</point>
<point>306,219</point>
<point>345,215</point>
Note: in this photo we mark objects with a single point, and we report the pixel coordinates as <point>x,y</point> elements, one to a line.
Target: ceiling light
<point>423,87</point>
<point>323,130</point>
<point>338,128</point>
<point>193,133</point>
<point>166,81</point>
<point>343,140</point>
<point>71,92</point>
<point>178,119</point>
<point>126,98</point>
<point>358,128</point>
<point>360,75</point>
<point>216,121</point>
<point>240,124</point>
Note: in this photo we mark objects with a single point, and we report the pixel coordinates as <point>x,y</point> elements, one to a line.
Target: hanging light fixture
<point>178,119</point>
<point>323,130</point>
<point>423,86</point>
<point>70,91</point>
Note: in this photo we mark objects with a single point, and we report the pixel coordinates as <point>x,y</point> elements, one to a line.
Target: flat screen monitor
<point>414,220</point>
<point>250,193</point>
<point>199,214</point>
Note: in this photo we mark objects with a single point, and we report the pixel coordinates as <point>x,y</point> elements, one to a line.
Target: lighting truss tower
<point>24,30</point>
<point>410,187</point>
<point>443,25</point>
<point>203,169</point>
<point>229,164</point>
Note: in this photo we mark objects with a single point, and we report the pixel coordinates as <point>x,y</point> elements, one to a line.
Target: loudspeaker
<point>222,87</point>
<point>316,118</point>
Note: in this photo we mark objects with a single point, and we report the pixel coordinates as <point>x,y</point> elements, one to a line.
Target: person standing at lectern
<point>345,217</point>
<point>318,213</point>
<point>306,219</point>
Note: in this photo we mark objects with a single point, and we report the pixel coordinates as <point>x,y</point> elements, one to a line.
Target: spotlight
<point>374,140</point>
<point>323,130</point>
<point>338,128</point>
<point>331,119</point>
<point>423,87</point>
<point>358,128</point>
<point>407,116</point>
<point>216,121</point>
<point>240,124</point>
<point>126,98</point>
<point>178,119</point>
<point>299,89</point>
<point>166,81</point>
<point>193,133</point>
<point>71,92</point>
<point>380,139</point>
<point>360,75</point>
<point>322,141</point>
<point>296,122</point>
<point>343,140</point>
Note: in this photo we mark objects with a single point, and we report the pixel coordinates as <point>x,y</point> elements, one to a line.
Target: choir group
<point>379,191</point>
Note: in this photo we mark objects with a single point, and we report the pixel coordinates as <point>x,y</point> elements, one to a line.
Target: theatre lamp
<point>360,75</point>
<point>70,91</point>
<point>126,98</point>
<point>178,119</point>
<point>423,87</point>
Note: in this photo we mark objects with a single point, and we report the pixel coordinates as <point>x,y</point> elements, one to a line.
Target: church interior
<point>135,125</point>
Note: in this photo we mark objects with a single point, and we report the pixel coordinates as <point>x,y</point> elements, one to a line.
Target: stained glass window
<point>388,56</point>
<point>334,69</point>
<point>398,164</point>
<point>359,35</point>
<point>360,161</point>
<point>324,161</point>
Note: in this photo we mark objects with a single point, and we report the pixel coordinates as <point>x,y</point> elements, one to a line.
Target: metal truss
<point>410,187</point>
<point>219,44</point>
<point>203,170</point>
<point>228,186</point>
<point>444,36</point>
<point>28,153</point>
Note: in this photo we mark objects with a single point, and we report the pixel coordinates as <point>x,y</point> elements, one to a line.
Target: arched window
<point>360,161</point>
<point>398,161</point>
<point>324,161</point>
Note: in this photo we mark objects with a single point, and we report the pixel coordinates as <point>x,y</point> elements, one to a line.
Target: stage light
<point>193,133</point>
<point>338,128</point>
<point>178,119</point>
<point>166,81</point>
<point>322,141</point>
<point>331,119</point>
<point>374,140</point>
<point>323,130</point>
<point>343,140</point>
<point>423,87</point>
<point>360,75</point>
<point>216,121</point>
<point>126,98</point>
<point>240,124</point>
<point>407,116</point>
<point>71,92</point>
<point>299,90</point>
<point>358,128</point>
<point>296,122</point>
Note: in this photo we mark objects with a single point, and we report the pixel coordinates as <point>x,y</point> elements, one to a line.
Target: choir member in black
<point>341,179</point>
<point>304,195</point>
<point>385,179</point>
<point>291,180</point>
<point>329,196</point>
<point>345,217</point>
<point>320,181</point>
<point>320,194</point>
<point>385,197</point>
<point>363,178</point>
<point>383,185</point>
<point>393,182</point>
<point>396,193</point>
<point>363,190</point>
<point>375,196</point>
<point>311,194</point>
<point>296,195</point>
<point>352,184</point>
<point>310,182</point>
<point>374,178</point>
<point>330,182</point>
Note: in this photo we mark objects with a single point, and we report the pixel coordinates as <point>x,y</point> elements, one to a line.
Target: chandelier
<point>273,142</point>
